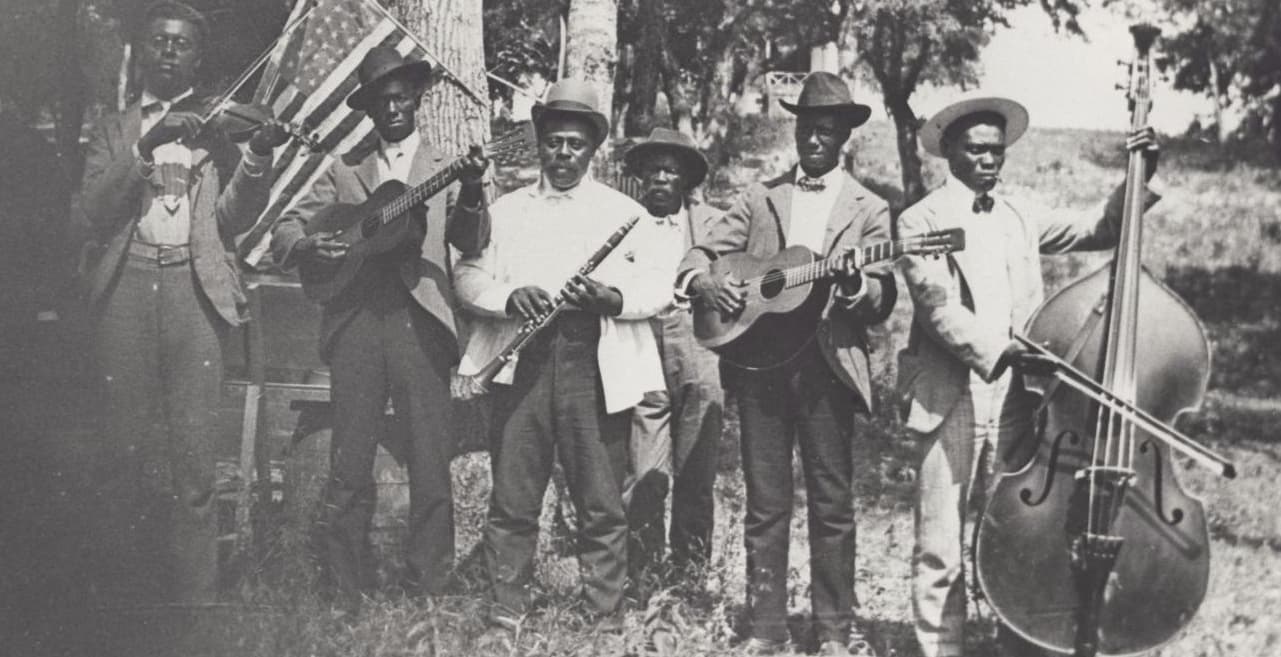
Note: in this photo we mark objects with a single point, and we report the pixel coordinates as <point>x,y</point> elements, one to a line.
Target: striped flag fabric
<point>307,83</point>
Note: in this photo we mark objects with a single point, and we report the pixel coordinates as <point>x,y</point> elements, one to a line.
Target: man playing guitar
<point>807,399</point>
<point>393,332</point>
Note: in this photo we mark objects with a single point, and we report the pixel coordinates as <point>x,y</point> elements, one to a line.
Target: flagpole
<point>513,86</point>
<point>271,74</point>
<point>481,100</point>
<point>253,66</point>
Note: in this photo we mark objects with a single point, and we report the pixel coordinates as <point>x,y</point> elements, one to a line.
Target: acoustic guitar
<point>383,223</point>
<point>786,295</point>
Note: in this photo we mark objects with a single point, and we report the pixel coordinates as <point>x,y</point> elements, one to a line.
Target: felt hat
<point>1014,113</point>
<point>666,139</point>
<point>572,97</point>
<point>824,92</point>
<point>379,64</point>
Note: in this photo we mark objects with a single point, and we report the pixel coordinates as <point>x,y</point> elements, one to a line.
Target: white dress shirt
<point>811,210</point>
<point>542,236</point>
<point>396,158</point>
<point>166,215</point>
<point>998,232</point>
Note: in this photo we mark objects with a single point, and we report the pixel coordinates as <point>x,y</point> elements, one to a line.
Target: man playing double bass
<point>962,397</point>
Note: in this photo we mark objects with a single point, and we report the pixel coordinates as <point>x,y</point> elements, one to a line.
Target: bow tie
<point>982,203</point>
<point>808,184</point>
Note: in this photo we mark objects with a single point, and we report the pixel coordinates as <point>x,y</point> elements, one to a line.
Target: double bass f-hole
<point>1119,563</point>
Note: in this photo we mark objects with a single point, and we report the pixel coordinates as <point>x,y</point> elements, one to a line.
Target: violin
<point>237,121</point>
<point>1093,546</point>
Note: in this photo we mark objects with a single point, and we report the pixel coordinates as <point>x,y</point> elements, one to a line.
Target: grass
<point>1214,239</point>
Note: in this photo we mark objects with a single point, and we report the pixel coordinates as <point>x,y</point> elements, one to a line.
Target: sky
<point>1065,81</point>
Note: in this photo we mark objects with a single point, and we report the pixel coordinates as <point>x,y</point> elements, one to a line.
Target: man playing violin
<point>164,199</point>
<point>812,399</point>
<point>962,399</point>
<point>392,333</point>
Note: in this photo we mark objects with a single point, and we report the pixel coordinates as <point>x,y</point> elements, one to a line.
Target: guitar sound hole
<point>368,227</point>
<point>772,284</point>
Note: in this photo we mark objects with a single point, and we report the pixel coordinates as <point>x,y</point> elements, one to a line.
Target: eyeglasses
<point>161,43</point>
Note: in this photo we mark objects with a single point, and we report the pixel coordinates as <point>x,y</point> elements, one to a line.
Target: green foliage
<point>1230,50</point>
<point>522,37</point>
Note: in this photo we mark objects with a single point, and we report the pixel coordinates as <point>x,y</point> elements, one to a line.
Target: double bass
<point>1093,547</point>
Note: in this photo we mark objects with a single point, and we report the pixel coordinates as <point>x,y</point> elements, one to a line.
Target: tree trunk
<point>451,118</point>
<point>905,127</point>
<point>646,70</point>
<point>677,100</point>
<point>1217,95</point>
<point>592,55</point>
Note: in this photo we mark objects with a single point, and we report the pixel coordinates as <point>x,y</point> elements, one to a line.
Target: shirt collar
<point>150,99</point>
<point>960,194</point>
<point>544,189</point>
<point>830,179</point>
<point>408,146</point>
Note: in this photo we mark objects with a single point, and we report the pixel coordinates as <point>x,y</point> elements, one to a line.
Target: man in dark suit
<point>675,431</point>
<point>812,399</point>
<point>393,332</point>
<point>164,200</point>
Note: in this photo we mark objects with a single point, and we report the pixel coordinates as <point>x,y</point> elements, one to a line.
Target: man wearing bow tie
<point>812,399</point>
<point>961,396</point>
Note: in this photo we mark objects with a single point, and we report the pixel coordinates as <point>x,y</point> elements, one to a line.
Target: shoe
<point>857,648</point>
<point>833,649</point>
<point>758,646</point>
<point>609,624</point>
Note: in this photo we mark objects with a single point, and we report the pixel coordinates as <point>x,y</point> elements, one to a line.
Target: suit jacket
<point>351,179</point>
<point>758,224</point>
<point>225,201</point>
<point>946,343</point>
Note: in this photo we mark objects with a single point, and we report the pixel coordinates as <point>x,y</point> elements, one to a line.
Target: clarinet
<point>531,328</point>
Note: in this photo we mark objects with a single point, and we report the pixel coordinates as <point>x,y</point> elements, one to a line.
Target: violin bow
<point>1079,381</point>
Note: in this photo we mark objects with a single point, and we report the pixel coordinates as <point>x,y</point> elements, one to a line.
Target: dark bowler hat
<point>825,92</point>
<point>574,97</point>
<point>665,139</point>
<point>379,64</point>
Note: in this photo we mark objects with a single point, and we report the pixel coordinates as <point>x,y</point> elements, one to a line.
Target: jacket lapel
<point>366,171</point>
<point>779,198</point>
<point>427,161</point>
<point>130,124</point>
<point>843,211</point>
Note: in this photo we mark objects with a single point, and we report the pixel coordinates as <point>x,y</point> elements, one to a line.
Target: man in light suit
<point>961,397</point>
<point>675,431</point>
<point>393,332</point>
<point>164,200</point>
<point>812,399</point>
<point>568,394</point>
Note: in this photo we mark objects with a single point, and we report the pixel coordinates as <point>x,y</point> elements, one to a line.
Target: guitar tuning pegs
<point>1123,63</point>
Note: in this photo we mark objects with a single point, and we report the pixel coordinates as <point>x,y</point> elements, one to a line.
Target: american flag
<point>307,84</point>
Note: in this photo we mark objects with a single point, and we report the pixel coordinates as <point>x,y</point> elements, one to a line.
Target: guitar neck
<point>420,193</point>
<point>822,268</point>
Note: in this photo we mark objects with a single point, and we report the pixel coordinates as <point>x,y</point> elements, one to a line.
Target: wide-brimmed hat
<point>1015,114</point>
<point>666,139</point>
<point>380,63</point>
<point>576,97</point>
<point>824,92</point>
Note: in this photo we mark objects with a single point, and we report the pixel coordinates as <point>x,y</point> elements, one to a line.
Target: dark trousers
<point>675,444</point>
<point>800,403</point>
<point>160,363</point>
<point>557,407</point>
<point>390,348</point>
